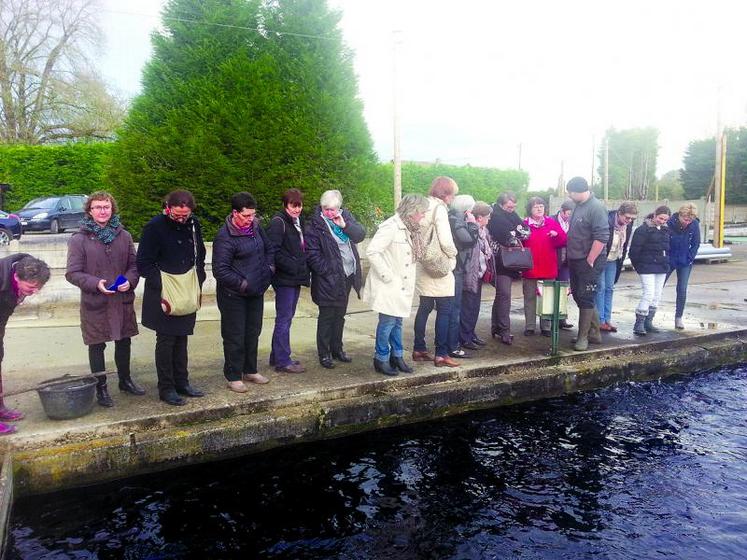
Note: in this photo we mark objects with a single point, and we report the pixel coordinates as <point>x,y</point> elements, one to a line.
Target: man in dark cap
<point>587,256</point>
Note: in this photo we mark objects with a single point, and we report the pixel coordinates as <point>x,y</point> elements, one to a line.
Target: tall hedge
<point>35,171</point>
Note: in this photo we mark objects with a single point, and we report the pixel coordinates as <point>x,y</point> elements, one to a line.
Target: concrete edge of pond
<point>6,500</point>
<point>139,447</point>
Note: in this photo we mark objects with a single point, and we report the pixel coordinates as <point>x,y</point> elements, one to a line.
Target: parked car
<point>53,213</point>
<point>10,228</point>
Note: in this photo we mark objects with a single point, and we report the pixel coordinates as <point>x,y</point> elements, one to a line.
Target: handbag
<point>180,293</point>
<point>434,261</point>
<point>516,259</point>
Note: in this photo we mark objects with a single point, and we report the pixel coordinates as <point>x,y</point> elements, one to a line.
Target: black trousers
<point>240,327</point>
<point>171,362</point>
<point>121,357</point>
<point>584,280</point>
<point>330,325</point>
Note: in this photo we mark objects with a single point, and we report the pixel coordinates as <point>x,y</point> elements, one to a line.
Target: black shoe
<point>565,324</point>
<point>170,397</point>
<point>399,363</point>
<point>102,393</point>
<point>479,341</point>
<point>326,362</point>
<point>546,332</point>
<point>470,346</point>
<point>383,367</point>
<point>341,356</point>
<point>189,391</point>
<point>129,386</point>
<point>461,354</point>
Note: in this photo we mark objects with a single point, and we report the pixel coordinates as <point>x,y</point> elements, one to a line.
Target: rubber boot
<point>102,393</point>
<point>648,323</point>
<point>595,335</point>
<point>384,367</point>
<point>584,324</point>
<point>639,327</point>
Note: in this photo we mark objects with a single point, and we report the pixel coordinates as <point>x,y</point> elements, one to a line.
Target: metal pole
<point>397,163</point>
<point>720,192</point>
<point>607,168</point>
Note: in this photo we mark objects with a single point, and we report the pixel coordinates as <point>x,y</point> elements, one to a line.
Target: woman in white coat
<point>390,285</point>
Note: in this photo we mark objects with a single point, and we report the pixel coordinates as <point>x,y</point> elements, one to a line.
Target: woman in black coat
<point>649,254</point>
<point>505,228</point>
<point>243,262</point>
<point>291,272</point>
<point>331,236</point>
<point>171,242</point>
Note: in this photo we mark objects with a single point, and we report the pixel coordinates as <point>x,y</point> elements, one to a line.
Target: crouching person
<point>390,285</point>
<point>21,275</point>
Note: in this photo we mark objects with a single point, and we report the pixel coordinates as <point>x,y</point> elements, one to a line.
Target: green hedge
<point>35,171</point>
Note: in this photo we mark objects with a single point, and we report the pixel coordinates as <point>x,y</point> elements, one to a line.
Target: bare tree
<point>49,91</point>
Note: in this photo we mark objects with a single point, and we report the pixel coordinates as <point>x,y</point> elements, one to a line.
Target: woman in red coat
<point>546,238</point>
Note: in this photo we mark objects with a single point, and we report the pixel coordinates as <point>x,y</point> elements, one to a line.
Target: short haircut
<point>443,186</point>
<point>535,200</point>
<point>688,210</point>
<point>481,209</point>
<point>242,200</point>
<point>180,198</point>
<point>577,184</point>
<point>100,195</point>
<point>292,197</point>
<point>331,199</point>
<point>31,269</point>
<point>567,205</point>
<point>662,210</point>
<point>504,197</point>
<point>412,204</point>
<point>628,207</point>
<point>463,203</point>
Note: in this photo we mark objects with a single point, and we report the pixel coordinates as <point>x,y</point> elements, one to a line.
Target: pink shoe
<point>6,429</point>
<point>10,415</point>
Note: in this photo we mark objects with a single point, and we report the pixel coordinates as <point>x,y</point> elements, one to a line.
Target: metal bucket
<point>73,398</point>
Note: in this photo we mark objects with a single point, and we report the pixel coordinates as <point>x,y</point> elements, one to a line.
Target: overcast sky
<point>478,78</point>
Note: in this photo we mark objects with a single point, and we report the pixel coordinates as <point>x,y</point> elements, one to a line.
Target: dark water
<point>647,470</point>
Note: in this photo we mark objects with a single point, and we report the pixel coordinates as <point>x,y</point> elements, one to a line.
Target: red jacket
<point>544,249</point>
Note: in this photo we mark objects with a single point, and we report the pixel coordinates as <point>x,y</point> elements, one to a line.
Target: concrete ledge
<point>6,500</point>
<point>89,455</point>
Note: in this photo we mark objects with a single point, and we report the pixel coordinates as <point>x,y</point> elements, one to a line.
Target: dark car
<point>10,228</point>
<point>53,213</point>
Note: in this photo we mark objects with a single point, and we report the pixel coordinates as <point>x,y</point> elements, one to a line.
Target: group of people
<point>443,247</point>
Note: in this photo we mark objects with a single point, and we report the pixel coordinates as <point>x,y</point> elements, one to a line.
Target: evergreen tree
<point>253,95</point>
<point>700,165</point>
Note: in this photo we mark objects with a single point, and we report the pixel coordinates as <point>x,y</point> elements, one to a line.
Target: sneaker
<point>6,429</point>
<point>257,378</point>
<point>237,386</point>
<point>678,324</point>
<point>10,415</point>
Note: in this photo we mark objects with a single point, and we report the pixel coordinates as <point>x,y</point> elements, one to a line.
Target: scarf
<point>105,234</point>
<point>416,239</point>
<point>536,223</point>
<point>337,230</point>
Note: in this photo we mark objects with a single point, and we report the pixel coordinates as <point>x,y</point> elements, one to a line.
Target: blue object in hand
<point>117,283</point>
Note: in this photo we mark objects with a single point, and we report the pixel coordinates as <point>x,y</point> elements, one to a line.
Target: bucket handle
<point>45,383</point>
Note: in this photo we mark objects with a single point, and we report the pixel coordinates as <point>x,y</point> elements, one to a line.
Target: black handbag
<point>517,259</point>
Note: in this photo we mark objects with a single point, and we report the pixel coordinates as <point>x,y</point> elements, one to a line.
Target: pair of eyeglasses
<point>100,208</point>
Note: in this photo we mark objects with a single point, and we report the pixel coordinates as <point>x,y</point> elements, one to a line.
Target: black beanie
<point>577,184</point>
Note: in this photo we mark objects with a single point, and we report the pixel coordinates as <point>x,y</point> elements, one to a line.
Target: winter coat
<point>325,261</point>
<point>684,242</point>
<point>436,220</point>
<point>649,249</point>
<point>544,249</point>
<point>390,284</point>
<point>612,217</point>
<point>103,317</point>
<point>242,265</point>
<point>8,298</point>
<point>169,246</point>
<point>464,235</point>
<point>500,226</point>
<point>472,276</point>
<point>291,268</point>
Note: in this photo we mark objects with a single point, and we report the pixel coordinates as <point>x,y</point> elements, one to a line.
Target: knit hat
<point>577,184</point>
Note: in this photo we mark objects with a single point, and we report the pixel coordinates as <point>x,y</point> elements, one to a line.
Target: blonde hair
<point>688,210</point>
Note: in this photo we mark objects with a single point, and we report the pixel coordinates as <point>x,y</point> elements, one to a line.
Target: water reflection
<point>637,470</point>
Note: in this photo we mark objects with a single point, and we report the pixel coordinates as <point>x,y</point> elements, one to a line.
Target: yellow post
<point>720,194</point>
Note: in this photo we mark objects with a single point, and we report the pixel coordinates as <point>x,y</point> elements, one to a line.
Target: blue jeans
<point>456,312</point>
<point>388,336</point>
<point>605,291</point>
<point>683,277</point>
<point>443,312</point>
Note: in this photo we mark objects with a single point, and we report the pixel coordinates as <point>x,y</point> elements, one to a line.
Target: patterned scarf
<point>337,230</point>
<point>105,234</point>
<point>416,239</point>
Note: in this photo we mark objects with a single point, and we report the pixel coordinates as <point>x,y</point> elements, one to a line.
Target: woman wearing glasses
<point>101,262</point>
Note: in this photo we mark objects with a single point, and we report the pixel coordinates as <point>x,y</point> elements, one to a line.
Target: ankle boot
<point>397,362</point>
<point>639,327</point>
<point>648,323</point>
<point>102,393</point>
<point>127,385</point>
<point>584,324</point>
<point>383,367</point>
<point>564,324</point>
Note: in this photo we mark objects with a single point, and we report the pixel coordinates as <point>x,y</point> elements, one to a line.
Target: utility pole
<point>719,190</point>
<point>606,168</point>
<point>561,180</point>
<point>519,156</point>
<point>397,163</point>
<point>593,160</point>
